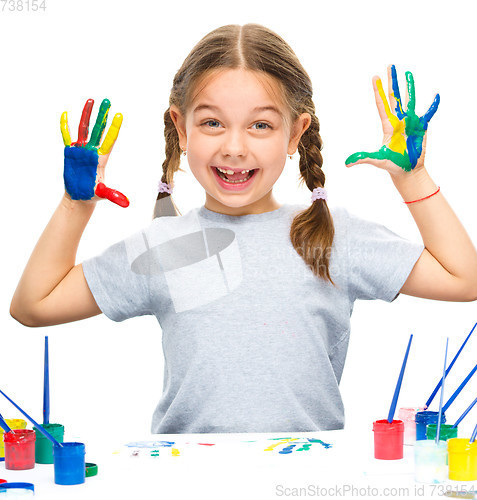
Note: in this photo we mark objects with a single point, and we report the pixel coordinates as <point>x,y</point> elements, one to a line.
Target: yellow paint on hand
<point>175,452</point>
<point>398,139</point>
<point>65,129</point>
<point>112,134</point>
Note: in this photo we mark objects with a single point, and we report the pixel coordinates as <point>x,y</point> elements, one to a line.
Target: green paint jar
<point>447,432</point>
<point>43,446</point>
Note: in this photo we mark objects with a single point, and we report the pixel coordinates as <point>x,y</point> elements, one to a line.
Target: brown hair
<point>257,48</point>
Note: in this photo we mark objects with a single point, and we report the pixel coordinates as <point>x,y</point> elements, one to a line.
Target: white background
<point>107,375</point>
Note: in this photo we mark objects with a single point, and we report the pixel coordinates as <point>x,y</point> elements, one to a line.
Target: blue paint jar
<point>69,463</point>
<point>423,419</point>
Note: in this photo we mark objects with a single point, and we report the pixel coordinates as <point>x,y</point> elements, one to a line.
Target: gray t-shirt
<point>253,341</point>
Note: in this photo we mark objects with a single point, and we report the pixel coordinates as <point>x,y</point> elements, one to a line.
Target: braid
<point>312,230</point>
<point>169,167</point>
<point>311,159</point>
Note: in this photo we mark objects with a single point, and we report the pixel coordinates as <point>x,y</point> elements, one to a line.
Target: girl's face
<point>238,122</point>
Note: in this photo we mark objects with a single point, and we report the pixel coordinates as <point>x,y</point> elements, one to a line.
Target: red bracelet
<point>425,197</point>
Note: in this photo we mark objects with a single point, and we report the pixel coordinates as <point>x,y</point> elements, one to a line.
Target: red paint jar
<point>19,449</point>
<point>388,439</point>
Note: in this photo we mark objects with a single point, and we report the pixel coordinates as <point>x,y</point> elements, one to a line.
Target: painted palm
<point>85,160</point>
<point>403,131</point>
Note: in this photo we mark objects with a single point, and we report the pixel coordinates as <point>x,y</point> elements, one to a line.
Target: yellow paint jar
<point>13,423</point>
<point>462,459</point>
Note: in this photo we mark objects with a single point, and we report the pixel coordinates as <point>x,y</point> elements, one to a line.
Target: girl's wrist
<point>77,205</point>
<point>415,185</point>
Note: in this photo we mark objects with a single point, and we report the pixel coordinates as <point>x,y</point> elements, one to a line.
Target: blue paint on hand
<point>397,95</point>
<point>426,118</point>
<point>414,149</point>
<point>80,172</point>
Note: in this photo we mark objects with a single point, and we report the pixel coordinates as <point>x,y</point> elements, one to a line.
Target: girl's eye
<point>210,121</point>
<point>262,123</point>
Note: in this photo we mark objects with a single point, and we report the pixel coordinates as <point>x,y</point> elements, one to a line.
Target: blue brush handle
<point>46,387</point>
<point>399,382</point>
<point>4,425</point>
<point>474,435</point>
<point>459,420</point>
<point>439,418</point>
<point>457,391</point>
<point>434,392</point>
<point>37,425</point>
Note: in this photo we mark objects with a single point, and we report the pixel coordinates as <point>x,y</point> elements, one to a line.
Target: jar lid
<point>91,469</point>
<point>22,486</point>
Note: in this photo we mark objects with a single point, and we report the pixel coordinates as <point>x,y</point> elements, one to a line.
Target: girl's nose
<point>234,143</point>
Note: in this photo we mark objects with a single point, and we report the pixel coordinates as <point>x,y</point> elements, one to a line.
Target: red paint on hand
<point>83,129</point>
<point>112,195</point>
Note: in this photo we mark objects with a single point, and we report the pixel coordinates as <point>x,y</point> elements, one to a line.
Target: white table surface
<point>235,468</point>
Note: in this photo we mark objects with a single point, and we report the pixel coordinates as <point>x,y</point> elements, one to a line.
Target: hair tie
<point>164,187</point>
<point>319,194</point>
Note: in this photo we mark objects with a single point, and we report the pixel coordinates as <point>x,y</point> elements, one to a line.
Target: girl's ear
<point>298,129</point>
<point>179,122</point>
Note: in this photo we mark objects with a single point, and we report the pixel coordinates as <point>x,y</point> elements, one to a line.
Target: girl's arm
<point>52,290</point>
<point>447,268</point>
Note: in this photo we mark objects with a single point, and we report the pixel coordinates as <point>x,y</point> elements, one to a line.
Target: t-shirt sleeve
<point>119,292</point>
<point>379,260</point>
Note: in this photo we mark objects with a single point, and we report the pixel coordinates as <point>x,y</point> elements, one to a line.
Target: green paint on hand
<point>100,125</point>
<point>384,153</point>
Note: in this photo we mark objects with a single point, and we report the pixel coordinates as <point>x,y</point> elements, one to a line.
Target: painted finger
<point>384,153</point>
<point>83,128</point>
<point>362,157</point>
<point>394,91</point>
<point>100,125</point>
<point>368,161</point>
<point>426,118</point>
<point>397,142</point>
<point>111,194</point>
<point>381,101</point>
<point>392,100</point>
<point>411,91</point>
<point>112,135</point>
<point>65,129</point>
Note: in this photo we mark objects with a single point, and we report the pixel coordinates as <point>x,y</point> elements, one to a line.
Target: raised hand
<point>404,133</point>
<point>85,161</point>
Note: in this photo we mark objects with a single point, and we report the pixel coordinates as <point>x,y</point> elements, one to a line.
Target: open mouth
<point>235,178</point>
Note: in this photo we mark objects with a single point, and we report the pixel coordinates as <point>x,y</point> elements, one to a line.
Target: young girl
<point>253,297</point>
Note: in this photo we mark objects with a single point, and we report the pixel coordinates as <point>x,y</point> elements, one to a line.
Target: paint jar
<point>69,462</point>
<point>430,461</point>
<point>447,432</point>
<point>388,439</point>
<point>13,423</point>
<point>19,449</point>
<point>462,459</point>
<point>43,446</point>
<point>17,490</point>
<point>408,416</point>
<point>423,418</point>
